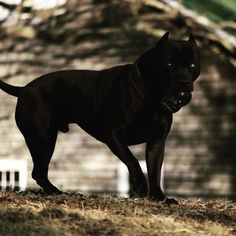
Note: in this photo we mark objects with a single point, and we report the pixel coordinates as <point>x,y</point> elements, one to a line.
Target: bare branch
<point>10,7</point>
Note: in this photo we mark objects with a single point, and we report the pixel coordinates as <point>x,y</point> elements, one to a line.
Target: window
<point>13,175</point>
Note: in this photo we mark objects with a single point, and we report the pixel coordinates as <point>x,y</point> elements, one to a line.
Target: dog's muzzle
<point>174,103</point>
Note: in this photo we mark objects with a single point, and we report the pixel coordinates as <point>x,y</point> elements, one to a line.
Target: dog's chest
<point>137,129</point>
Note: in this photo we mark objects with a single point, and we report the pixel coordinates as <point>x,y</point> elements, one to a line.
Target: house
<point>200,149</point>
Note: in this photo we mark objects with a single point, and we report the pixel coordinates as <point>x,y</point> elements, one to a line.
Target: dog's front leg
<point>138,181</point>
<point>155,154</point>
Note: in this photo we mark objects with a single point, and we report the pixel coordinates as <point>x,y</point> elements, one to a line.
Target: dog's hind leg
<point>41,151</point>
<point>40,136</point>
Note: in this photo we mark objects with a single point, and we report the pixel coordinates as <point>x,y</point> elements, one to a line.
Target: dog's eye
<point>192,65</point>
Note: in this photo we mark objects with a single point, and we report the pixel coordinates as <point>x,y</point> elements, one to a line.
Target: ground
<point>30,213</point>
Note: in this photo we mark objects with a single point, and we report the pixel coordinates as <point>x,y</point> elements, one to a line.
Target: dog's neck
<point>137,82</point>
<point>147,66</point>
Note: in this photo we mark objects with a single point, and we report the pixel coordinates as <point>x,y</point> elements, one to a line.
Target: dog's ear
<point>191,39</point>
<point>163,39</point>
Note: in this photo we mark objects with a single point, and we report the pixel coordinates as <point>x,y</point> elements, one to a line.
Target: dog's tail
<point>10,89</point>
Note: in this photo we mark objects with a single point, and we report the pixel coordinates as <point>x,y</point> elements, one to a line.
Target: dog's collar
<point>137,83</point>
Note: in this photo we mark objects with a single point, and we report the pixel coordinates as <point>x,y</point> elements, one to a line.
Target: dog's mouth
<point>174,103</point>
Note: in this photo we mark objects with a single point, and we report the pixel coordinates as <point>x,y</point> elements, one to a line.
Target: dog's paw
<point>139,191</point>
<point>163,199</point>
<point>171,201</point>
<point>52,191</point>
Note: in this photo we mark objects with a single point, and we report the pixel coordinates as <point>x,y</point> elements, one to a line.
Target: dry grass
<point>74,214</point>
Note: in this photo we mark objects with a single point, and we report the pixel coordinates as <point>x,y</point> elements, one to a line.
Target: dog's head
<point>181,65</point>
<point>173,67</point>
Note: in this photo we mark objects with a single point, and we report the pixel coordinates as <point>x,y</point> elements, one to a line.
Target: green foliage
<point>216,10</point>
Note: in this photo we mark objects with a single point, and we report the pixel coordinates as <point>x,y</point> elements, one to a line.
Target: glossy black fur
<point>120,106</point>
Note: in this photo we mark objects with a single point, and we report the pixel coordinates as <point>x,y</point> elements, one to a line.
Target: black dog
<point>121,106</point>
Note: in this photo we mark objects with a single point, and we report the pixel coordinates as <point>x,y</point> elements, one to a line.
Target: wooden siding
<point>200,150</point>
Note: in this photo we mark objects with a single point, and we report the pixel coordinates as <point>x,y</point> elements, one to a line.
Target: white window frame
<point>13,166</point>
